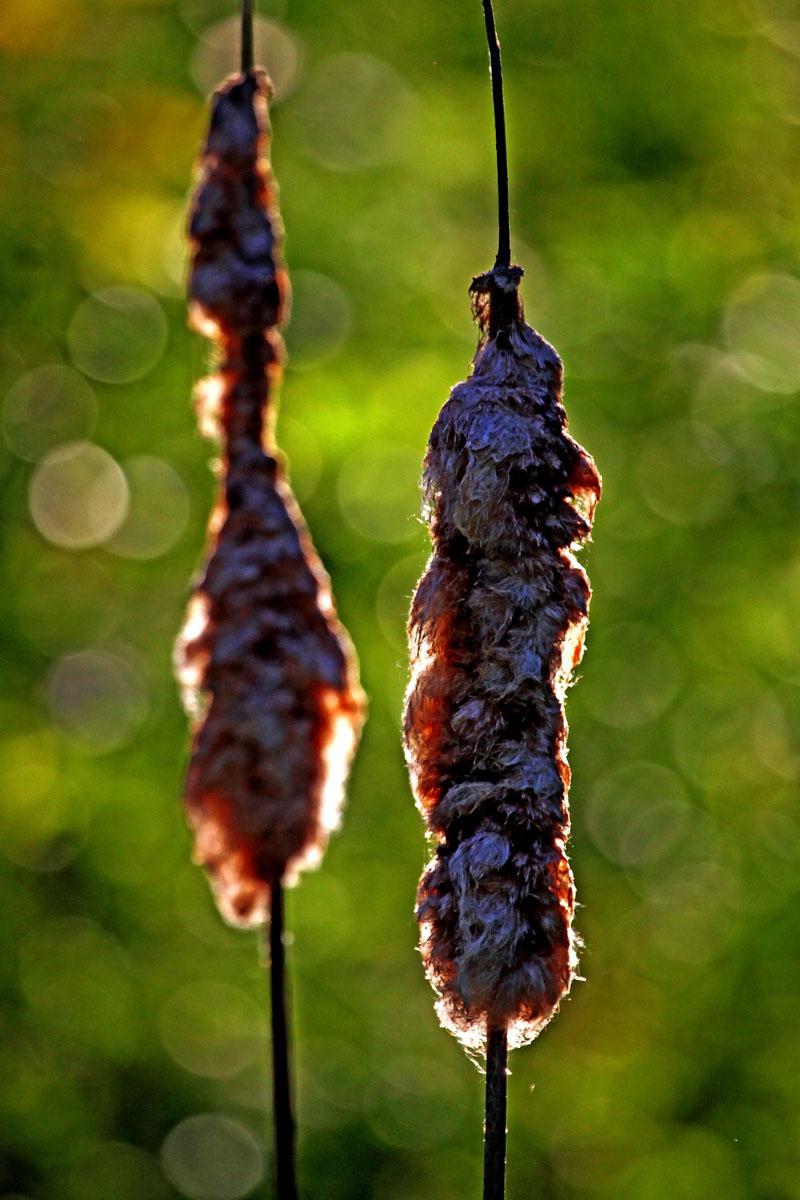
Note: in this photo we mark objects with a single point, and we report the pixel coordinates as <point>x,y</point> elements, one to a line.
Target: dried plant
<point>266,667</point>
<point>268,673</point>
<point>496,629</point>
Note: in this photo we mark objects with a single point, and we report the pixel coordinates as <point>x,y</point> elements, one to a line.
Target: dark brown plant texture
<point>496,628</point>
<point>267,670</point>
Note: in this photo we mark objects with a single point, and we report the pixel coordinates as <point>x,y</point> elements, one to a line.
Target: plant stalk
<point>494,1142</point>
<point>247,36</point>
<point>283,1117</point>
<point>503,229</point>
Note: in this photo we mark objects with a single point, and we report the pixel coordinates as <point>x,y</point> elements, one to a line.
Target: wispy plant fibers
<point>266,668</point>
<point>496,628</point>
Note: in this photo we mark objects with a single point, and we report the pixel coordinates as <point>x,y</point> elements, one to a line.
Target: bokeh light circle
<point>393,598</point>
<point>158,509</point>
<point>97,697</point>
<point>379,491</point>
<point>210,1157</point>
<point>352,113</point>
<point>211,1029</point>
<point>217,54</point>
<point>78,496</point>
<point>684,477</point>
<point>636,675</point>
<point>45,407</point>
<point>638,813</point>
<point>117,334</point>
<point>760,328</point>
<point>321,319</point>
<point>89,602</point>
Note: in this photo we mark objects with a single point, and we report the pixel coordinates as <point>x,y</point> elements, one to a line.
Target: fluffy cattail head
<point>267,670</point>
<point>495,631</point>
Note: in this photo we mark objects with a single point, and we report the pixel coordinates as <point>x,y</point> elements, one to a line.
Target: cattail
<point>267,671</point>
<point>496,628</point>
<point>264,663</point>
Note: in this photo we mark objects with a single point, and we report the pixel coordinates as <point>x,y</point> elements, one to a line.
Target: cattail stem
<point>283,1117</point>
<point>247,36</point>
<point>503,230</point>
<point>494,1142</point>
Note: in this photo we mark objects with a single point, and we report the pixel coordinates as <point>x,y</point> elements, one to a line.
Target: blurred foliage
<point>655,159</point>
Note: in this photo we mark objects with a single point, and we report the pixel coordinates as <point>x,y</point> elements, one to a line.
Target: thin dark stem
<point>503,231</point>
<point>281,1084</point>
<point>494,1141</point>
<point>247,36</point>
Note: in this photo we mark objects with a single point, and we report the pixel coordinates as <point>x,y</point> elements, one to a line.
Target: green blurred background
<point>655,162</point>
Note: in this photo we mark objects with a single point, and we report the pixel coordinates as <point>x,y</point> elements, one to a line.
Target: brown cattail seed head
<point>266,667</point>
<point>496,628</point>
